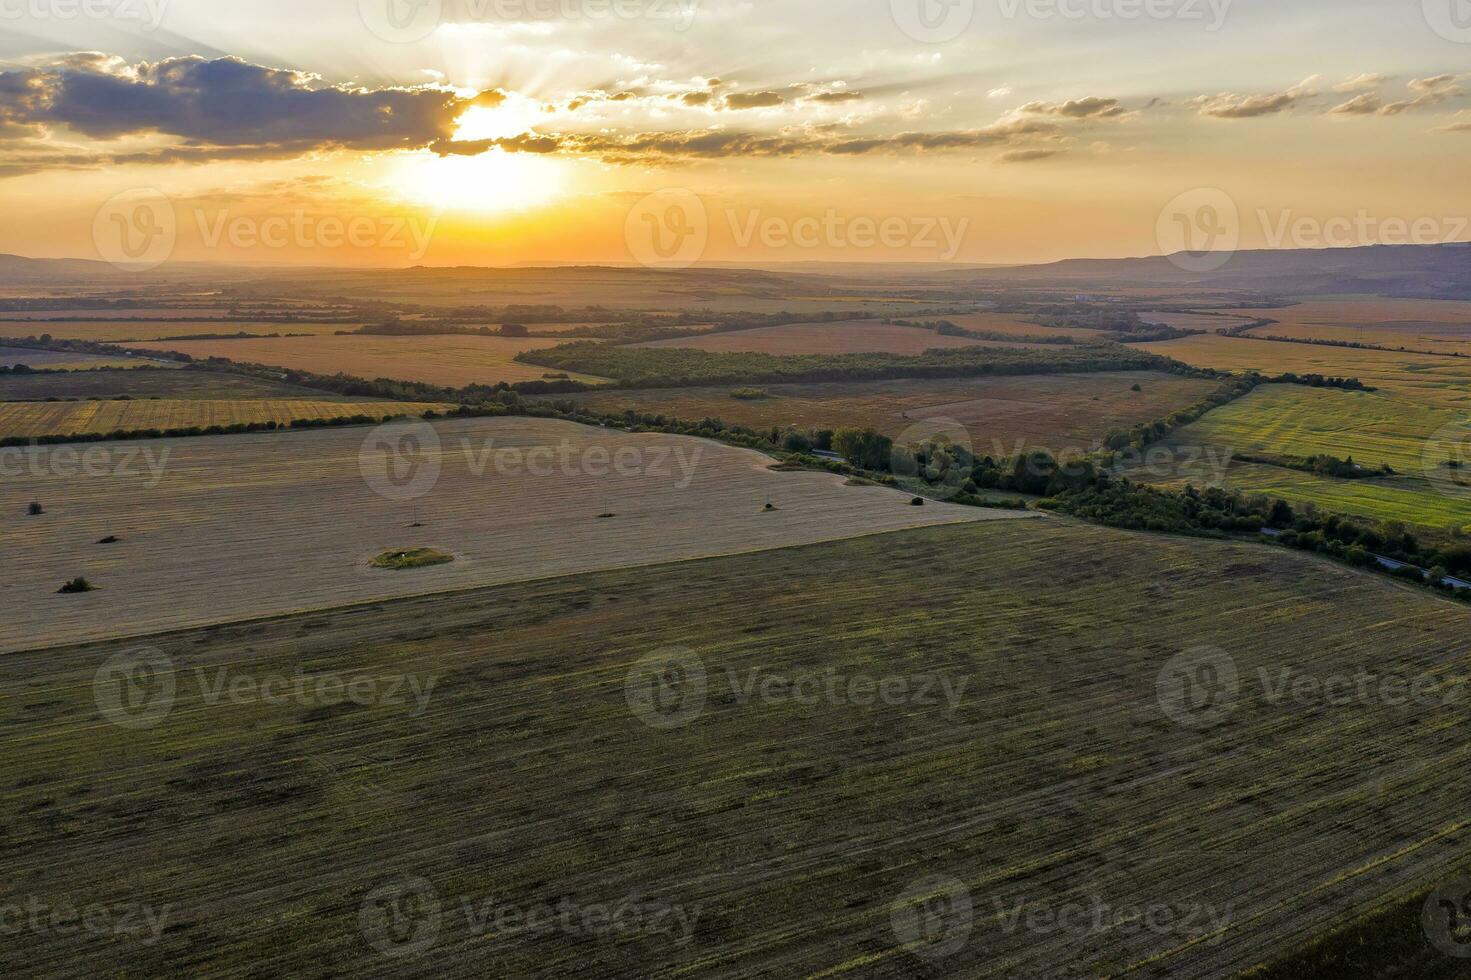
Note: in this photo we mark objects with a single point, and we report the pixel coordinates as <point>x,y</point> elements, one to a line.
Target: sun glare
<point>492,182</point>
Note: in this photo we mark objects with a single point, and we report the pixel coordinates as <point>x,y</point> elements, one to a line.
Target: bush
<point>78,584</point>
<point>35,509</point>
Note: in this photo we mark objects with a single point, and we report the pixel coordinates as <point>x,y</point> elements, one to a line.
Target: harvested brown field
<point>1057,411</point>
<point>842,337</point>
<point>218,529</point>
<point>115,332</point>
<point>31,419</point>
<point>453,361</point>
<point>1417,324</point>
<point>1040,782</point>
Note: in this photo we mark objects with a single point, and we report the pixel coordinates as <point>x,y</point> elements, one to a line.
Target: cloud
<point>1360,105</point>
<point>1028,156</point>
<point>711,144</point>
<point>1361,83</point>
<point>754,100</point>
<point>1229,105</point>
<point>225,102</point>
<point>834,98</point>
<point>1461,124</point>
<point>1090,108</point>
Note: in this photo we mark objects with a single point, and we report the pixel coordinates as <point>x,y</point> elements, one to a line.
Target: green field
<point>1295,421</point>
<point>786,832</point>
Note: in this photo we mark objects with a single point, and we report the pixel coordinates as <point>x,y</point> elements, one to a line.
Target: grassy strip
<point>684,367</point>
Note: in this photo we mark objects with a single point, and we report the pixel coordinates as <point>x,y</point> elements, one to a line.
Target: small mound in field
<point>415,558</point>
<point>110,539</point>
<point>917,502</point>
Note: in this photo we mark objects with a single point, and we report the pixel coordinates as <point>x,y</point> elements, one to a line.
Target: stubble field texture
<point>786,831</point>
<point>216,529</point>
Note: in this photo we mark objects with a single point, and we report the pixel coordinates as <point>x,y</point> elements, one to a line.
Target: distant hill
<point>1422,271</point>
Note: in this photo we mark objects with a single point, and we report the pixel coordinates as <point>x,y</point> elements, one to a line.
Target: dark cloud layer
<point>224,102</point>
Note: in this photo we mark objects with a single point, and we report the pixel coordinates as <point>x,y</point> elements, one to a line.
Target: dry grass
<point>844,337</point>
<point>790,828</point>
<point>451,361</point>
<point>1056,411</point>
<point>255,525</point>
<point>30,419</point>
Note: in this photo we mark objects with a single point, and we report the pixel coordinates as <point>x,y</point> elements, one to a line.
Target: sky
<point>669,132</point>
